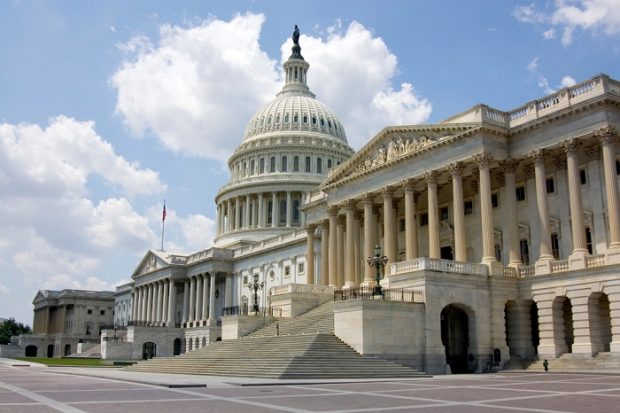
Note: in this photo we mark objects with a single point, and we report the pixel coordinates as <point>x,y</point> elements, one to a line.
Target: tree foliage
<point>12,328</point>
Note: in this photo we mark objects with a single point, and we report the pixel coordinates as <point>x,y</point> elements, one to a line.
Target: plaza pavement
<point>35,389</point>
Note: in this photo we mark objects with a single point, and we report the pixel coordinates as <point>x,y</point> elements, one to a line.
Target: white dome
<point>292,112</point>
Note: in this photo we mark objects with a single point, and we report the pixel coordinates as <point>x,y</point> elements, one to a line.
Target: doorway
<point>149,350</point>
<point>455,338</point>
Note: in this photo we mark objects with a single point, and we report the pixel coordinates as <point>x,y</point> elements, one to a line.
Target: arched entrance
<point>149,350</point>
<point>176,350</point>
<point>563,325</point>
<point>50,351</point>
<point>534,326</point>
<point>67,349</point>
<point>455,338</point>
<point>600,322</point>
<point>31,351</point>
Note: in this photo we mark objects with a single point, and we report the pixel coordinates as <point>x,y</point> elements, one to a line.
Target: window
<point>308,166</point>
<point>525,252</point>
<point>468,207</point>
<point>305,120</point>
<point>282,211</point>
<point>423,219</point>
<point>245,280</point>
<point>102,312</point>
<point>89,311</point>
<point>520,192</point>
<point>296,119</point>
<point>272,164</point>
<point>296,164</point>
<point>319,165</point>
<point>284,166</point>
<point>583,176</point>
<point>494,200</point>
<point>589,240</point>
<point>329,164</point>
<point>314,120</point>
<point>296,211</point>
<point>262,165</point>
<point>555,245</point>
<point>329,123</point>
<point>443,213</point>
<point>300,268</point>
<point>550,185</point>
<point>286,118</point>
<point>322,122</point>
<point>245,169</point>
<point>252,167</point>
<point>269,212</point>
<point>278,119</point>
<point>287,271</point>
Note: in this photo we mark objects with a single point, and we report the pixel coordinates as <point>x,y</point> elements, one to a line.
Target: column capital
<point>332,210</point>
<point>387,192</point>
<point>570,146</point>
<point>341,220</point>
<point>456,168</point>
<point>367,199</point>
<point>350,204</point>
<point>509,166</point>
<point>359,216</point>
<point>537,155</point>
<point>483,160</point>
<point>606,134</point>
<point>431,177</point>
<point>311,228</point>
<point>408,185</point>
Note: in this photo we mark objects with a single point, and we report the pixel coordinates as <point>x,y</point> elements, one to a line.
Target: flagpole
<point>163,223</point>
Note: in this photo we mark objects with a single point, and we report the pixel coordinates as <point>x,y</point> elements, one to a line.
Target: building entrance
<point>149,350</point>
<point>455,338</point>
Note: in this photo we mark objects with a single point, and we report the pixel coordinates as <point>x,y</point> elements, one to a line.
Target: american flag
<point>163,213</point>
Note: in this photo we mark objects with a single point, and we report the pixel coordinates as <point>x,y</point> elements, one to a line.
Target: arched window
<point>296,164</point>
<point>296,119</point>
<point>245,169</point>
<point>322,122</point>
<point>282,215</point>
<point>329,123</point>
<point>319,166</point>
<point>305,119</point>
<point>284,166</point>
<point>286,118</point>
<point>314,120</point>
<point>272,164</point>
<point>262,165</point>
<point>308,166</point>
<point>295,211</point>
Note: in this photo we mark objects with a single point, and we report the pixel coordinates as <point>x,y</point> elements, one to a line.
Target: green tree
<point>12,328</point>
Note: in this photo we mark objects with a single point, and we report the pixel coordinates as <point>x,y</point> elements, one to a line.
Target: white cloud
<point>568,15</point>
<point>185,234</point>
<point>544,84</point>
<point>196,87</point>
<point>568,81</point>
<point>352,71</point>
<point>52,232</point>
<point>532,66</point>
<point>4,289</point>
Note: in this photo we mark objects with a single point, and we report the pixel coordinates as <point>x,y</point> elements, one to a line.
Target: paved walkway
<point>42,390</point>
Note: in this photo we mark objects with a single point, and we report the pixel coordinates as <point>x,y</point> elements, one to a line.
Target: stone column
<point>237,224</point>
<point>186,301</point>
<point>212,289</point>
<point>543,207</point>
<point>486,210</point>
<point>274,210</point>
<point>357,271</point>
<point>333,247</point>
<point>434,248</point>
<point>198,299</point>
<point>324,230</point>
<point>289,209</point>
<point>172,304</point>
<point>388,226</point>
<point>134,306</point>
<point>310,255</point>
<point>607,136</point>
<point>218,220</point>
<point>369,238</point>
<point>144,303</point>
<point>349,254</point>
<point>149,304</point>
<point>460,240</point>
<point>160,302</point>
<point>340,251</point>
<point>165,302</point>
<point>512,223</point>
<point>578,228</point>
<point>246,224</point>
<point>411,229</point>
<point>205,297</point>
<point>261,218</point>
<point>192,300</point>
<point>228,216</point>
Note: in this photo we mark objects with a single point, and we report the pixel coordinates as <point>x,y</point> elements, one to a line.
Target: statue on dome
<point>296,35</point>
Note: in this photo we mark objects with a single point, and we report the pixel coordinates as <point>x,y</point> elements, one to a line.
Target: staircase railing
<point>366,293</point>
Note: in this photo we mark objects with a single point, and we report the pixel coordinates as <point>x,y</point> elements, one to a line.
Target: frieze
<point>394,149</point>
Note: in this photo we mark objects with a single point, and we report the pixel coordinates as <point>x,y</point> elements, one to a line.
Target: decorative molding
<point>483,160</point>
<point>509,166</point>
<point>456,168</point>
<point>431,177</point>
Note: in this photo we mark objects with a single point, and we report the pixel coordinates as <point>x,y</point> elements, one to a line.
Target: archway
<point>534,326</point>
<point>563,325</point>
<point>50,351</point>
<point>455,338</point>
<point>31,351</point>
<point>149,350</point>
<point>600,322</point>
<point>176,347</point>
<point>67,349</point>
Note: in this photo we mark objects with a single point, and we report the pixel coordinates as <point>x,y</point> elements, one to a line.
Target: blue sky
<point>107,108</point>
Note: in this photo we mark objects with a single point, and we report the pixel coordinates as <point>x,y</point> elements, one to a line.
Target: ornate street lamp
<point>255,286</point>
<point>378,262</point>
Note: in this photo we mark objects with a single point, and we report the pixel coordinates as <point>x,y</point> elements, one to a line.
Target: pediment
<point>39,297</point>
<point>394,144</point>
<point>151,262</point>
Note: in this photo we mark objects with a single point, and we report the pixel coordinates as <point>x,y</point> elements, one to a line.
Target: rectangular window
<point>494,200</point>
<point>287,271</point>
<point>520,192</point>
<point>300,268</point>
<point>468,207</point>
<point>555,246</point>
<point>102,312</point>
<point>245,280</point>
<point>525,252</point>
<point>583,176</point>
<point>423,219</point>
<point>589,240</point>
<point>89,311</point>
<point>443,213</point>
<point>550,185</point>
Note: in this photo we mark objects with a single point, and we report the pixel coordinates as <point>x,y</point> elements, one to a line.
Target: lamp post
<point>378,262</point>
<point>255,286</point>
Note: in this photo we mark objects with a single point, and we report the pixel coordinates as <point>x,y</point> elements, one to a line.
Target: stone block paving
<point>28,390</point>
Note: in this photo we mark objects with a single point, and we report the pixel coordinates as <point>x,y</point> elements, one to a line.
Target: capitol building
<point>499,232</point>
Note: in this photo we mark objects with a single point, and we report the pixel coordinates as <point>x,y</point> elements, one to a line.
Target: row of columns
<point>330,229</point>
<point>155,303</point>
<point>250,211</point>
<point>199,300</point>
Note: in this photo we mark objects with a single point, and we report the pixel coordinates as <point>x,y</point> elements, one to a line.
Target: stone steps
<point>317,320</point>
<point>573,362</point>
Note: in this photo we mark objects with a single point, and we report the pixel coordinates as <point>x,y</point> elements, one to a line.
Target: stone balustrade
<point>437,264</point>
<point>301,288</point>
